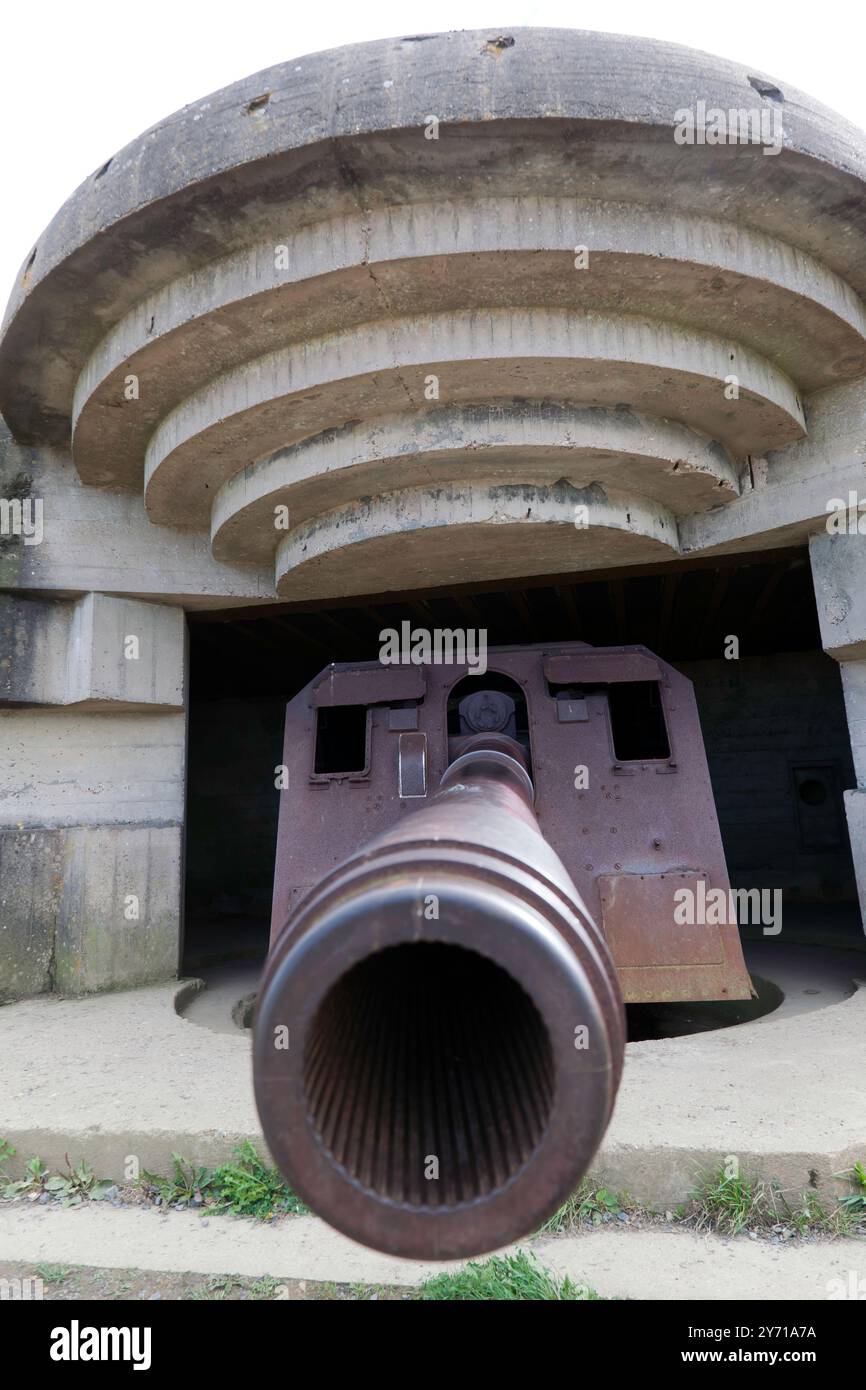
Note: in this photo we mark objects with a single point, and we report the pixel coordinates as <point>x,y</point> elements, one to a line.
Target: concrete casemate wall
<point>437,309</point>
<point>772,726</point>
<point>92,789</point>
<point>839,572</point>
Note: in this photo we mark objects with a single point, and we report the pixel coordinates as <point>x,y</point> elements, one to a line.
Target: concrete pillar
<point>839,575</point>
<point>91,793</point>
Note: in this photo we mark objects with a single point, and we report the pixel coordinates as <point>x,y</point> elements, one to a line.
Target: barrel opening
<point>428,1075</point>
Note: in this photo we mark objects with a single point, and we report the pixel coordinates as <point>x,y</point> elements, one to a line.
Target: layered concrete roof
<point>387,315</point>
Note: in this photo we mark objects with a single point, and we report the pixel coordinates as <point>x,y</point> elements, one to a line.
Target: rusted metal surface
<point>648,816</point>
<point>637,914</point>
<point>454,1026</point>
<point>591,666</point>
<point>367,685</point>
<point>440,1031</point>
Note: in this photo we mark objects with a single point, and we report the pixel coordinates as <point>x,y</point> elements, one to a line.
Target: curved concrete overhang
<point>375,370</point>
<point>493,253</point>
<point>435,536</point>
<point>448,265</point>
<point>657,460</point>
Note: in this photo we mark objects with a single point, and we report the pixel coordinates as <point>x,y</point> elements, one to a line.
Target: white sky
<point>83,77</point>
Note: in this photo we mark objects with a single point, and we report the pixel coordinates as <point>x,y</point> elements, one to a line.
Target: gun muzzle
<point>439,1034</point>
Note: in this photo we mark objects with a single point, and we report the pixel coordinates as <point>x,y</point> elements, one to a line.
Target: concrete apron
<point>125,1081</point>
<point>616,1263</point>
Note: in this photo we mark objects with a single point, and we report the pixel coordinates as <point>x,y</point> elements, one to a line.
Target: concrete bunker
<point>537,374</point>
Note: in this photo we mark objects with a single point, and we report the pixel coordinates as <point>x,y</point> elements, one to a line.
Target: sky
<point>81,79</point>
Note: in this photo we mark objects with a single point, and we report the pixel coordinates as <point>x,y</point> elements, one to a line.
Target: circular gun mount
<point>487,711</point>
<point>439,1035</point>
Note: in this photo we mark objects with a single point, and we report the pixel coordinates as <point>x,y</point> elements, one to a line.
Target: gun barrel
<point>439,1035</point>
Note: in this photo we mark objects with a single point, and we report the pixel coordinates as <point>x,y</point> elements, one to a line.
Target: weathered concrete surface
<point>31,872</point>
<point>617,1264</point>
<point>94,653</point>
<point>91,848</point>
<point>124,1075</point>
<point>86,908</point>
<point>655,459</point>
<point>91,803</point>
<point>101,539</point>
<point>349,253</point>
<point>298,1248</point>
<point>680,1265</point>
<point>786,496</point>
<point>34,648</point>
<point>62,767</point>
<point>120,907</point>
<point>85,1073</point>
<point>434,536</point>
<point>431,258</point>
<point>839,573</point>
<point>127,652</point>
<point>589,359</point>
<point>854,689</point>
<point>337,130</point>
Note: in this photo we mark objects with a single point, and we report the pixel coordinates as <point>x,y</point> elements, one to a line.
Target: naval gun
<point>473,873</point>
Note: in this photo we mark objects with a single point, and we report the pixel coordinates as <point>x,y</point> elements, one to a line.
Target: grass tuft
<point>504,1278</point>
<point>187,1183</point>
<point>727,1204</point>
<point>247,1187</point>
<point>724,1204</point>
<point>730,1205</point>
<point>855,1202</point>
<point>244,1187</point>
<point>588,1206</point>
